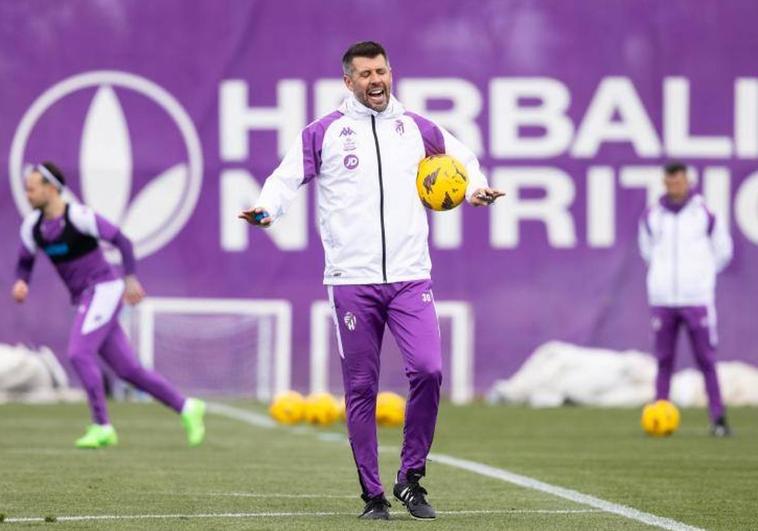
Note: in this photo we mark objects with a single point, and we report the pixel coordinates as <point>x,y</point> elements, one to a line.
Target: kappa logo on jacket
<point>346,131</point>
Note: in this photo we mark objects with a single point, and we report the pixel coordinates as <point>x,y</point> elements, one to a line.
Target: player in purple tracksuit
<point>685,246</point>
<point>364,158</point>
<point>68,234</point>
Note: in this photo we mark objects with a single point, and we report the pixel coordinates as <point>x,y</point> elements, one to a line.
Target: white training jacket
<point>685,247</point>
<point>373,226</point>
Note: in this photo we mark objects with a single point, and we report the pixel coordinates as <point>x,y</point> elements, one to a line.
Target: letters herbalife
<point>581,164</point>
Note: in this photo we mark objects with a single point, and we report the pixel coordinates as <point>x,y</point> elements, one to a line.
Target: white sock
<point>187,404</point>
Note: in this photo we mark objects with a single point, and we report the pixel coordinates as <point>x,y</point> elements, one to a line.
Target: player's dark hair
<point>55,170</point>
<point>362,49</point>
<point>674,167</point>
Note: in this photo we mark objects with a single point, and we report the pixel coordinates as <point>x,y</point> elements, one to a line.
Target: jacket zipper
<point>381,198</point>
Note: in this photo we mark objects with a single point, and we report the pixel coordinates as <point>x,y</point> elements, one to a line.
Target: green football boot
<point>98,436</point>
<point>192,418</point>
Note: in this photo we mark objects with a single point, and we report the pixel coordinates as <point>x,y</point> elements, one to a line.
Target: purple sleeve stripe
<point>434,142</point>
<point>109,232</point>
<point>25,264</point>
<point>105,229</point>
<point>313,140</point>
<point>124,245</point>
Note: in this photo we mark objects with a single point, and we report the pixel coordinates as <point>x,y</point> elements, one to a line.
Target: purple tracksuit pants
<point>96,330</point>
<point>700,323</point>
<point>360,313</point>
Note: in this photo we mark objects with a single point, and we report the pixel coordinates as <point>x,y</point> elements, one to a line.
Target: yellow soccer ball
<point>322,409</point>
<point>288,408</point>
<point>441,182</point>
<point>660,419</point>
<point>390,409</point>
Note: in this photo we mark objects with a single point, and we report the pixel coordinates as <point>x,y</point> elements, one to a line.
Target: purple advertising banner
<point>168,116</point>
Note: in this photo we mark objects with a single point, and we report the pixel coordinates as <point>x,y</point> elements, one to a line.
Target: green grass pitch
<point>245,476</point>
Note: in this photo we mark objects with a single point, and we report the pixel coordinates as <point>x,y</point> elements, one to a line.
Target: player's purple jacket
<point>71,243</point>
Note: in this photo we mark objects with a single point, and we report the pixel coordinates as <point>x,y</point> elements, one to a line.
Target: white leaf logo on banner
<point>106,156</point>
<point>151,214</point>
<point>157,202</point>
<point>106,163</point>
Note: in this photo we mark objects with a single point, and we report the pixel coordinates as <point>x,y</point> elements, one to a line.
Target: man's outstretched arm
<point>281,187</point>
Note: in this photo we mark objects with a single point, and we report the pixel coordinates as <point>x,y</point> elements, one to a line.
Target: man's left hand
<point>134,292</point>
<point>485,196</point>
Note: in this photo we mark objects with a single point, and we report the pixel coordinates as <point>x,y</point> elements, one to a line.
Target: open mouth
<point>376,95</point>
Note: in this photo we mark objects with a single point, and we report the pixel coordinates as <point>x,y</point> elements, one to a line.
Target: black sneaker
<point>720,428</point>
<point>377,508</point>
<point>412,495</point>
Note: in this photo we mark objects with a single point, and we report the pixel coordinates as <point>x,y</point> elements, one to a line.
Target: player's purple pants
<point>360,313</point>
<point>96,330</point>
<point>700,323</point>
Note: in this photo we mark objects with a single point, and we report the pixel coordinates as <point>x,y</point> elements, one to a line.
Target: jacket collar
<point>674,207</point>
<point>354,109</point>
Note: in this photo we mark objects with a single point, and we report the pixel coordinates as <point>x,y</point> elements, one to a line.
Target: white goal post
<point>461,347</point>
<point>274,345</point>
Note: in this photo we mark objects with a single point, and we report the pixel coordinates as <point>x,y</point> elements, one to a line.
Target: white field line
<point>259,420</point>
<point>95,517</point>
<point>249,417</point>
<point>562,492</point>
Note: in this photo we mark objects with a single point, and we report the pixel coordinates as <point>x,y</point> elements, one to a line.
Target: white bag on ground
<point>561,373</point>
<point>33,376</point>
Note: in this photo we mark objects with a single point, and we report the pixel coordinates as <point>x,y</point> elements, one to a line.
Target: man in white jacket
<point>364,158</point>
<point>685,247</point>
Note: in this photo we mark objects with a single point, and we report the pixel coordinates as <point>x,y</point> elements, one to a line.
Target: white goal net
<point>235,347</point>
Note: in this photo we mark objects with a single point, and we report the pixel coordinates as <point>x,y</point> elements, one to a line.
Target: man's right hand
<point>256,216</point>
<point>20,291</point>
